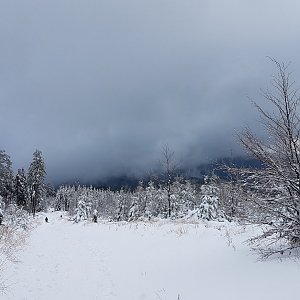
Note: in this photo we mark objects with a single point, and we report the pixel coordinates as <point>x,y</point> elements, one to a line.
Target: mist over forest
<point>101,87</point>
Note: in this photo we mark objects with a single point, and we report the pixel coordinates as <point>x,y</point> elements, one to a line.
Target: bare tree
<point>169,166</point>
<point>277,184</point>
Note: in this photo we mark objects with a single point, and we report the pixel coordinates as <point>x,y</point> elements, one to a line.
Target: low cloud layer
<point>101,86</point>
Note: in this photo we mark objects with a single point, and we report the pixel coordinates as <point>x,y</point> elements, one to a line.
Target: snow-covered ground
<point>159,261</point>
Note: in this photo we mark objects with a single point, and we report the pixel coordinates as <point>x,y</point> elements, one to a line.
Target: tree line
<point>179,199</point>
<point>25,190</point>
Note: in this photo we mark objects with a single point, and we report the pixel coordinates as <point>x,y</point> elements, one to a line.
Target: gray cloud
<point>100,86</point>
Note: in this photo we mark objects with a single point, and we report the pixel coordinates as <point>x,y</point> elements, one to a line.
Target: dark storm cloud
<point>100,86</point>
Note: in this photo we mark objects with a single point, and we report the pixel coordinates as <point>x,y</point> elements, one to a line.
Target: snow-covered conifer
<point>83,210</point>
<point>209,207</point>
<point>36,176</point>
<point>122,209</point>
<point>20,188</point>
<point>6,176</point>
<point>134,210</point>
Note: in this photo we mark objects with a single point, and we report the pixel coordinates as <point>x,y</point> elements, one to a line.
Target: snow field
<point>159,260</point>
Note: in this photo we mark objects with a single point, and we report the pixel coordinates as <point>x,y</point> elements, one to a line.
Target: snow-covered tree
<point>122,209</point>
<point>36,177</point>
<point>2,205</point>
<point>169,166</point>
<point>139,196</point>
<point>106,203</point>
<point>209,208</point>
<point>83,210</point>
<point>276,185</point>
<point>156,201</point>
<point>64,197</point>
<point>235,200</point>
<point>6,176</point>
<point>184,197</point>
<point>20,188</point>
<point>134,212</point>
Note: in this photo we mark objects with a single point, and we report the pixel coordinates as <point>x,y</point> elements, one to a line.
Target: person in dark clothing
<point>46,219</point>
<point>95,216</point>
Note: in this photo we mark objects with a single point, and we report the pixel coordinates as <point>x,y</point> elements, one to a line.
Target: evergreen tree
<point>6,176</point>
<point>20,188</point>
<point>183,197</point>
<point>134,213</point>
<point>60,198</point>
<point>36,176</point>
<point>209,207</point>
<point>83,210</point>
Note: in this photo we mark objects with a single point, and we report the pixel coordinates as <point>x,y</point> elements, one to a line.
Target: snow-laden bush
<point>15,216</point>
<point>11,240</point>
<point>209,208</point>
<point>11,235</point>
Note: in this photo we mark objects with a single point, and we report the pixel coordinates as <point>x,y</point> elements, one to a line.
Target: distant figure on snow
<point>46,219</point>
<point>95,216</point>
<point>1,216</point>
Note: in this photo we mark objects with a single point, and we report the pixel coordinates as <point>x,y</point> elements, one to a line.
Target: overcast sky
<point>100,86</point>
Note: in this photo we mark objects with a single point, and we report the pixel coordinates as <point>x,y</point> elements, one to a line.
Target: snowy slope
<point>161,260</point>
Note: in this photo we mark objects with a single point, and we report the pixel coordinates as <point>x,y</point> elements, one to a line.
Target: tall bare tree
<point>277,184</point>
<point>169,167</point>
